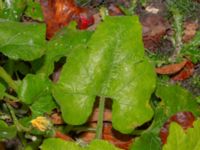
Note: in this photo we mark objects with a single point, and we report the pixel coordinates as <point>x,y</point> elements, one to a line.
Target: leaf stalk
<point>99,129</point>
<point>6,77</point>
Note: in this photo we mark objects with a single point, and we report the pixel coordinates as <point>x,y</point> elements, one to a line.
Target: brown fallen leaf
<point>122,141</point>
<point>185,119</point>
<point>2,146</point>
<point>190,29</point>
<point>172,68</point>
<point>115,10</point>
<point>60,13</point>
<point>154,28</point>
<point>107,115</point>
<point>56,118</point>
<point>62,136</point>
<point>185,73</point>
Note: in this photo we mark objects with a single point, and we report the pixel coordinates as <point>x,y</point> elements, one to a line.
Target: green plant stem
<point>178,36</point>
<point>1,5</point>
<point>99,129</point>
<point>19,127</point>
<point>137,132</point>
<point>5,76</point>
<point>178,28</point>
<point>11,97</point>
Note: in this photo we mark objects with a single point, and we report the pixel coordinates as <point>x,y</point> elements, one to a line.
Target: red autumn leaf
<point>59,13</point>
<point>56,118</point>
<point>62,136</point>
<point>172,68</point>
<point>185,119</point>
<point>119,140</point>
<point>185,73</point>
<point>106,117</point>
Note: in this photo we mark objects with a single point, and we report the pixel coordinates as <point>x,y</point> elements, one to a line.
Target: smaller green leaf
<point>43,105</point>
<point>58,144</point>
<point>12,9</point>
<point>2,90</point>
<point>149,137</point>
<point>33,145</point>
<point>178,139</point>
<point>101,145</point>
<point>34,10</point>
<point>13,66</point>
<point>176,98</point>
<point>7,132</point>
<point>33,87</point>
<point>22,40</point>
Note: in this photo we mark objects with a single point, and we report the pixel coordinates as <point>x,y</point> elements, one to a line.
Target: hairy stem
<point>178,29</point>
<point>19,127</point>
<point>100,118</point>
<point>178,25</point>
<point>6,77</point>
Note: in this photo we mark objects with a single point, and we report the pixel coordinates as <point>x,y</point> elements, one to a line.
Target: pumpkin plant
<point>73,70</point>
<point>107,63</point>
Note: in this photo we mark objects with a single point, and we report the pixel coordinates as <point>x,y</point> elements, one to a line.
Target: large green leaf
<point>65,41</point>
<point>113,65</point>
<point>12,9</point>
<point>34,87</point>
<point>22,40</point>
<point>7,132</point>
<point>58,144</point>
<point>178,139</point>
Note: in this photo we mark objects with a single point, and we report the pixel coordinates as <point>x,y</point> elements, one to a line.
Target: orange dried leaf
<point>119,140</point>
<point>56,119</point>
<point>185,119</point>
<point>172,68</point>
<point>60,13</point>
<point>185,73</point>
<point>115,10</point>
<point>190,30</point>
<point>65,137</point>
<point>107,115</point>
